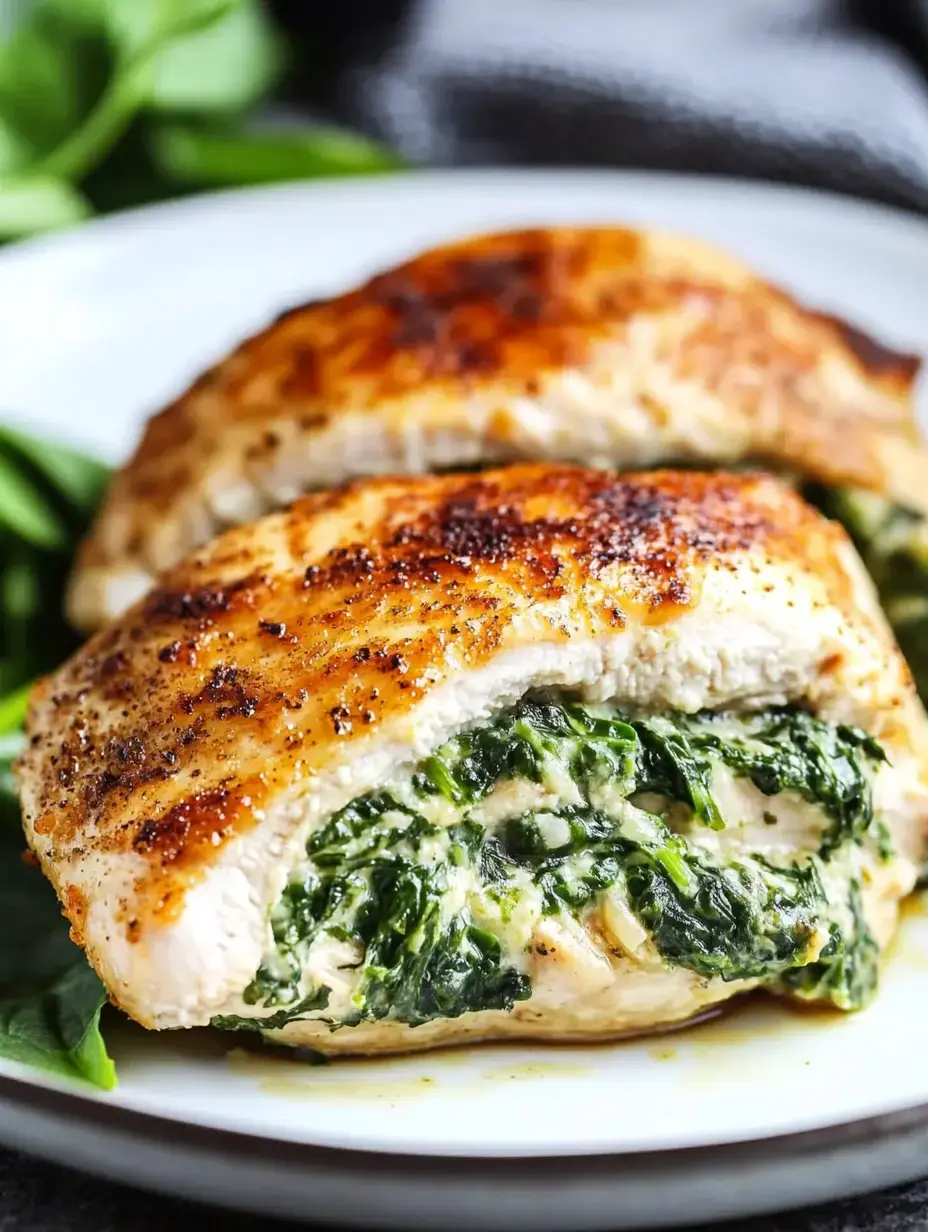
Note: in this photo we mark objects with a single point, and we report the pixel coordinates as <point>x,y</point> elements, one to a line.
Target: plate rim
<point>898,1123</point>
<point>854,210</point>
<point>586,1193</point>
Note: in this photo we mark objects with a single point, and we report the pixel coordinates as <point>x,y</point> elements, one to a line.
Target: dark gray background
<point>829,93</point>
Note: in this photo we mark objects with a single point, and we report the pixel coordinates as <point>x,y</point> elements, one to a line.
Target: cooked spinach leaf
<point>846,972</point>
<point>316,1000</point>
<point>781,750</point>
<point>742,919</point>
<point>419,966</point>
<point>376,892</point>
<point>893,544</point>
<point>426,908</point>
<point>792,751</point>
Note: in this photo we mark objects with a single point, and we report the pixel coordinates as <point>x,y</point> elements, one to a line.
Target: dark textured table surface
<point>38,1197</point>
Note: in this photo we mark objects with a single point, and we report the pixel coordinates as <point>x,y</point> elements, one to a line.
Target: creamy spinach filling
<point>893,544</point>
<point>423,900</point>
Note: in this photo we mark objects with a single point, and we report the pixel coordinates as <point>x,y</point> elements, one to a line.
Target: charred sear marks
<point>203,819</point>
<point>227,691</point>
<point>188,604</point>
<point>653,527</point>
<point>504,303</point>
<point>442,314</point>
<point>202,604</point>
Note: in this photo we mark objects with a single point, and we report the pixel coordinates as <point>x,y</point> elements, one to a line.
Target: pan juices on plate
<point>602,346</point>
<point>538,752</point>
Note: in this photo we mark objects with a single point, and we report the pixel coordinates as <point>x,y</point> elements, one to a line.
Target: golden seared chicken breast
<point>602,346</point>
<point>535,752</point>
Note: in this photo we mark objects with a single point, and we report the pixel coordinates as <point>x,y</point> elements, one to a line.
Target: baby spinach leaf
<point>226,67</point>
<point>25,510</point>
<point>83,82</point>
<point>38,202</point>
<point>39,94</point>
<point>202,156</point>
<point>55,1026</point>
<point>79,15</point>
<point>78,478</point>
<point>15,151</point>
<point>145,26</point>
<point>50,999</point>
<point>47,496</point>
<point>13,709</point>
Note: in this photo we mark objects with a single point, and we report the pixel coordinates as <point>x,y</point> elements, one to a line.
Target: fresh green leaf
<point>41,80</point>
<point>143,26</point>
<point>79,478</point>
<point>19,589</point>
<point>11,744</point>
<point>48,494</point>
<point>15,151</point>
<point>24,510</point>
<point>80,15</point>
<point>13,709</point>
<point>103,126</point>
<point>56,1027</point>
<point>82,83</point>
<point>226,67</point>
<point>50,999</point>
<point>38,203</point>
<point>141,30</point>
<point>202,156</point>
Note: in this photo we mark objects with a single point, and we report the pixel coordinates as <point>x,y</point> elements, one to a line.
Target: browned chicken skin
<point>604,346</point>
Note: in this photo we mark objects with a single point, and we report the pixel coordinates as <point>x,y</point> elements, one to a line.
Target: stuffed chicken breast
<point>602,346</point>
<point>536,752</point>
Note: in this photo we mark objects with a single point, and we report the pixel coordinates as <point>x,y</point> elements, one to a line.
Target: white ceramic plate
<point>761,1109</point>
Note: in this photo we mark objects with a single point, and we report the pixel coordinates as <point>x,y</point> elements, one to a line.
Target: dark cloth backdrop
<point>830,93</point>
